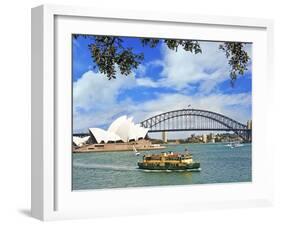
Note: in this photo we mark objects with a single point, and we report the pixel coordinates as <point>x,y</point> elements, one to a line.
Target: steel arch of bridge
<point>195,120</point>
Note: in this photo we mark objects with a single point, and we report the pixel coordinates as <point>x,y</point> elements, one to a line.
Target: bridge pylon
<point>165,136</point>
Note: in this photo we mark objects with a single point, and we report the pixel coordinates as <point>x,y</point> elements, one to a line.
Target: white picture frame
<point>52,197</point>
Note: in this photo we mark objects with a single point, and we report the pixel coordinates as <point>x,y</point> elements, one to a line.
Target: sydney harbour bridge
<point>196,120</point>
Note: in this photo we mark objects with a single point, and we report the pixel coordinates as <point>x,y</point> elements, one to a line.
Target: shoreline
<point>128,147</point>
<point>80,150</point>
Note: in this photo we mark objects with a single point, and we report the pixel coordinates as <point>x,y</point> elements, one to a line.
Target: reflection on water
<point>102,166</point>
<point>219,164</point>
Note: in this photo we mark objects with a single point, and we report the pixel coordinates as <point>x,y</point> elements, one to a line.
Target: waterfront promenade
<point>140,145</point>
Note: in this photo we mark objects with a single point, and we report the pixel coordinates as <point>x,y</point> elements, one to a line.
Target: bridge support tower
<point>165,136</point>
<point>249,132</point>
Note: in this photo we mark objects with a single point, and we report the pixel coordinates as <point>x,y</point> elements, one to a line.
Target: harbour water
<point>219,164</point>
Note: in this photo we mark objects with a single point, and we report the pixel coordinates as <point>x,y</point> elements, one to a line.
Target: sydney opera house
<point>121,130</point>
<point>122,134</point>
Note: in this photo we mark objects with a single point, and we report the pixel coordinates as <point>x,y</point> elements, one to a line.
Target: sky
<point>165,80</point>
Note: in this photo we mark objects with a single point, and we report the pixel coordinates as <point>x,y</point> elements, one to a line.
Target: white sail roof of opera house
<point>79,141</point>
<point>117,123</point>
<point>103,135</point>
<point>122,129</point>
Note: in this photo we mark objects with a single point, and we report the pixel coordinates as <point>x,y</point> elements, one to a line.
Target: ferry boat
<point>169,161</point>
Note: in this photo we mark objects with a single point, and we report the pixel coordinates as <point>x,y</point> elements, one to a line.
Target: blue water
<point>219,164</point>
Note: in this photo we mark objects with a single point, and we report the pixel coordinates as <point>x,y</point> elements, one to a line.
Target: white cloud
<point>141,70</point>
<point>147,82</point>
<point>182,69</point>
<point>95,98</point>
<point>95,90</point>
